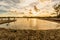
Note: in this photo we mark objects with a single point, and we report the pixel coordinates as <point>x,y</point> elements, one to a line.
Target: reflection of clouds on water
<point>31,23</point>
<point>58,25</point>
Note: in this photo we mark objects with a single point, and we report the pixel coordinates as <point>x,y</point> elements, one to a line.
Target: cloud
<point>8,4</point>
<point>18,4</point>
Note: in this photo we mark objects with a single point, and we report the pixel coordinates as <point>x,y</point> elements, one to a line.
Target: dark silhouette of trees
<point>57,9</point>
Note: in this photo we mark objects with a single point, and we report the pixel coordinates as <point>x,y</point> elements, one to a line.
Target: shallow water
<point>32,23</point>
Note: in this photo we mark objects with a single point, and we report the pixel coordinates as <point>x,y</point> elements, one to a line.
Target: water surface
<point>32,23</point>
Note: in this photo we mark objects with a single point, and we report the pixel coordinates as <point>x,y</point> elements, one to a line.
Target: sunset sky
<point>45,6</point>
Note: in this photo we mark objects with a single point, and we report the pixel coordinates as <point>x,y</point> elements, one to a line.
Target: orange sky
<point>44,7</point>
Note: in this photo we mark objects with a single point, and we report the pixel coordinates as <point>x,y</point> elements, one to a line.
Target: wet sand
<point>12,34</point>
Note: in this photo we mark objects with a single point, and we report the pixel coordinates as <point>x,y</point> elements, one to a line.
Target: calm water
<point>32,23</point>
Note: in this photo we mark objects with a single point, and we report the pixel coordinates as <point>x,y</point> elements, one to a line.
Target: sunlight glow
<point>31,7</point>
